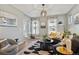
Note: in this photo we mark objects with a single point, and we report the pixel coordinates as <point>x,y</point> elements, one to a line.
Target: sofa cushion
<point>5,47</point>
<point>3,44</point>
<point>12,42</point>
<point>8,48</point>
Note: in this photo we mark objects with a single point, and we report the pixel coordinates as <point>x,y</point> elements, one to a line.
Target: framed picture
<point>76,18</point>
<point>43,25</point>
<point>76,21</point>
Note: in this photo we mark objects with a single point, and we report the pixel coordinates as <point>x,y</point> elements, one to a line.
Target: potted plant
<point>67,33</point>
<point>45,37</point>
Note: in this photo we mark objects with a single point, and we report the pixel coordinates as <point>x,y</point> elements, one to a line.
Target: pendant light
<point>43,12</point>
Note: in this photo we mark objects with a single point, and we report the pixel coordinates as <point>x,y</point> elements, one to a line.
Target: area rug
<point>31,48</point>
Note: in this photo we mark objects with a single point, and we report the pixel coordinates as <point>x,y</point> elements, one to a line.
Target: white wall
<point>60,28</point>
<point>13,32</point>
<point>74,28</point>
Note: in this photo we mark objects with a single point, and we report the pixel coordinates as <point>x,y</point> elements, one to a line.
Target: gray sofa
<point>75,45</point>
<point>8,47</point>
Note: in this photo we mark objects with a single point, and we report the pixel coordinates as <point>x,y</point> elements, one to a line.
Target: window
<point>52,25</point>
<point>70,19</point>
<point>7,21</point>
<point>27,28</point>
<point>35,27</point>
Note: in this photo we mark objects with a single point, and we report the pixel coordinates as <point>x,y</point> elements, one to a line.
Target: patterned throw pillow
<point>3,44</point>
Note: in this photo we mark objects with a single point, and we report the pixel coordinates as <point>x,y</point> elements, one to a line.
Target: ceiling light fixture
<point>43,12</point>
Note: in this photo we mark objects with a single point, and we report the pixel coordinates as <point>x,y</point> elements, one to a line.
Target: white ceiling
<point>34,10</point>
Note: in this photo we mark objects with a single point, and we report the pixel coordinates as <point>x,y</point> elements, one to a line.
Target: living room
<point>33,29</point>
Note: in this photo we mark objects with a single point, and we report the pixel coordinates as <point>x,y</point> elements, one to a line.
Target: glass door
<point>35,27</point>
